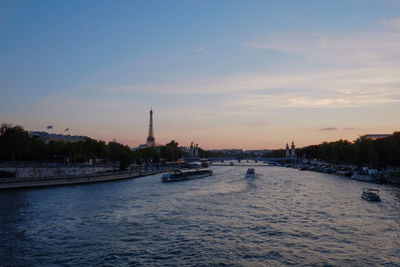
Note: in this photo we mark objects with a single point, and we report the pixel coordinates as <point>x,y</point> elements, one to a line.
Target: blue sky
<point>225,74</point>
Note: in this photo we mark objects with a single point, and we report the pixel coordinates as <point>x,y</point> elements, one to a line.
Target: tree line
<point>375,153</point>
<point>17,145</point>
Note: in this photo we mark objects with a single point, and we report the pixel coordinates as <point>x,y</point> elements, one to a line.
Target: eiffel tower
<point>151,141</point>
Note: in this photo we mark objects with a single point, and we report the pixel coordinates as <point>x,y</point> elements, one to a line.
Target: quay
<point>28,182</point>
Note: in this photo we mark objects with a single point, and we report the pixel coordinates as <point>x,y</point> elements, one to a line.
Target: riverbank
<point>363,174</point>
<point>27,182</point>
<point>388,176</point>
<point>27,169</point>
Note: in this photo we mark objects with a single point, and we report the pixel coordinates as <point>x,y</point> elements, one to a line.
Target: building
<point>47,137</point>
<point>151,141</point>
<point>375,136</point>
<point>139,147</point>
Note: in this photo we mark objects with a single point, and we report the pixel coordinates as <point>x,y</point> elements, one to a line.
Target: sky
<point>224,74</point>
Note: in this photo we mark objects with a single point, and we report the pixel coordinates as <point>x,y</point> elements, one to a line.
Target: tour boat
<point>180,175</point>
<point>370,194</point>
<point>250,173</point>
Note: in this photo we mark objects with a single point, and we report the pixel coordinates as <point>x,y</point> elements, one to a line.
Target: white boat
<point>368,175</point>
<point>371,194</point>
<point>180,175</point>
<point>250,173</point>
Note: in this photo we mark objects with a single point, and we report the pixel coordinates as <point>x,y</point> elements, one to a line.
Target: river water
<point>282,217</point>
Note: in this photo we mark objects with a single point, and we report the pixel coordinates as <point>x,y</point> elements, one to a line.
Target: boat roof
<point>370,189</point>
<point>192,170</point>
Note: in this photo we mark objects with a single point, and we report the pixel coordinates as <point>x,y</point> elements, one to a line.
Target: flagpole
<point>49,127</point>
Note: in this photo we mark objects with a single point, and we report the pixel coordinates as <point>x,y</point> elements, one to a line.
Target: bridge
<point>248,161</point>
<point>245,158</point>
<point>242,164</point>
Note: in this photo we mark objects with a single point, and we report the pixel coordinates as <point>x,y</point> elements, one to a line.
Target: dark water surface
<point>284,216</point>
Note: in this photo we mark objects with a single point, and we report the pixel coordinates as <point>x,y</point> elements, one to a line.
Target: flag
<point>50,127</point>
<point>66,130</point>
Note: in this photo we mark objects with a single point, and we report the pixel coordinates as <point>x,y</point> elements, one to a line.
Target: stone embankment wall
<point>55,171</point>
<point>24,182</point>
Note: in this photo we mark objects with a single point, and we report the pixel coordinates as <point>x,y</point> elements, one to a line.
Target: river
<point>282,217</point>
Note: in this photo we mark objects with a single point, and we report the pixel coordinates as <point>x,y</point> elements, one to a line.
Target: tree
<point>119,153</point>
<point>14,142</point>
<point>170,151</point>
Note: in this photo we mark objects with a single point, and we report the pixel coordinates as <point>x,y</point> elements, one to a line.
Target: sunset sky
<point>224,74</point>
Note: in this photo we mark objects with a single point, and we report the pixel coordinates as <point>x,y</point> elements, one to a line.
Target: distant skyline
<point>224,74</point>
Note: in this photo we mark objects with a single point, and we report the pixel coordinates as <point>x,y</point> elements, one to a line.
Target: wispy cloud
<point>200,49</point>
<point>329,129</point>
<point>259,123</point>
<point>336,129</point>
<point>393,23</point>
<point>352,87</point>
<point>349,48</point>
<point>359,70</point>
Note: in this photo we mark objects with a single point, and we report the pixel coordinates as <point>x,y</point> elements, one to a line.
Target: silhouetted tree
<point>14,142</point>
